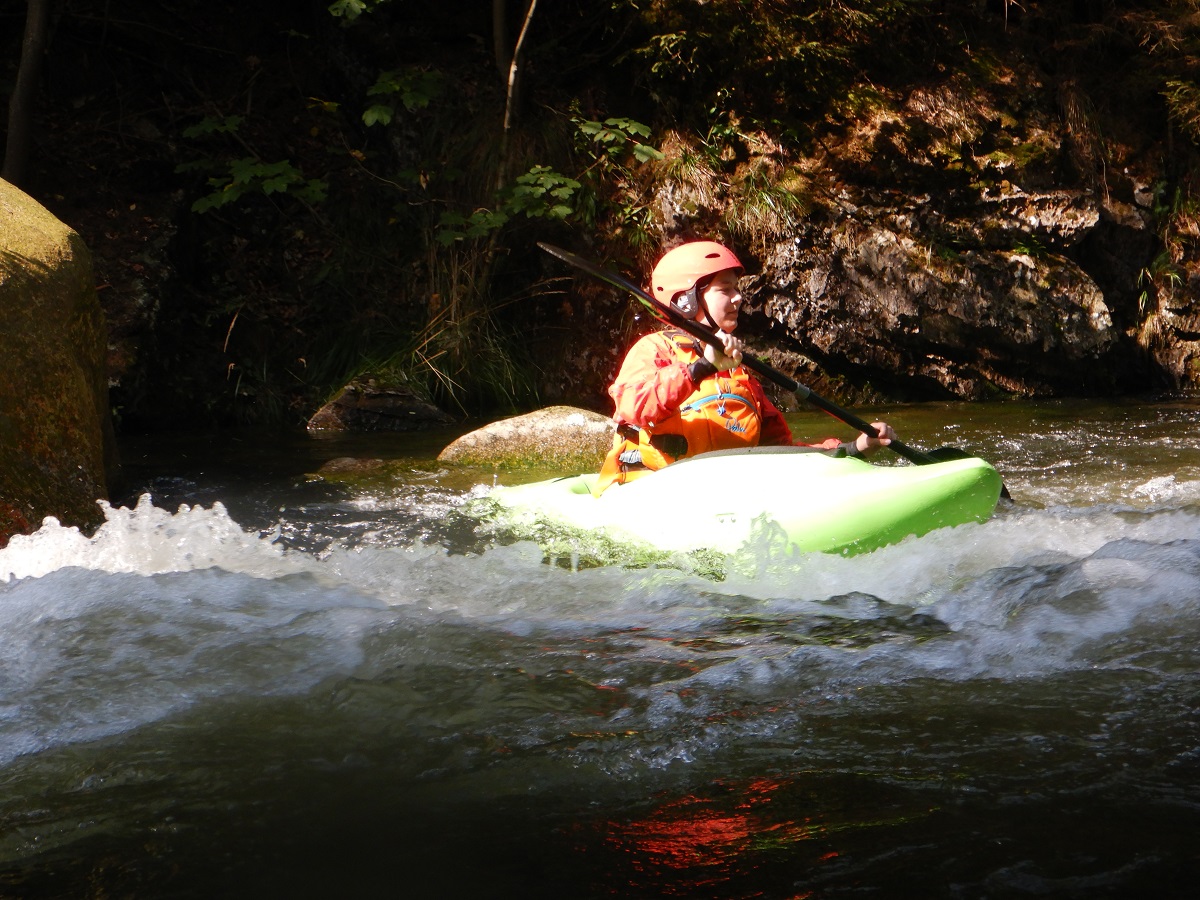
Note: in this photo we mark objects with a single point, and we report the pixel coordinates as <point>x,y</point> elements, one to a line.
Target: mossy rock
<point>56,443</point>
<point>571,439</point>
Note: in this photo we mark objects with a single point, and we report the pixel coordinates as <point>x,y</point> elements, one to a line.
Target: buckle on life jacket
<point>672,445</point>
<point>632,456</point>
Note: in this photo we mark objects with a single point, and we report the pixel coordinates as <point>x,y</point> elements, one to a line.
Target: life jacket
<point>721,414</point>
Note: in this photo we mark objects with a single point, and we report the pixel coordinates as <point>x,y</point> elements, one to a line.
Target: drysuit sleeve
<point>775,432</point>
<point>654,381</point>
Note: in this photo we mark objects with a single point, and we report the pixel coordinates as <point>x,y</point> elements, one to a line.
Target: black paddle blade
<point>945,454</point>
<point>606,275</point>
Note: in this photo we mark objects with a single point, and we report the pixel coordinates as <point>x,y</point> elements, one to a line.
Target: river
<point>253,682</point>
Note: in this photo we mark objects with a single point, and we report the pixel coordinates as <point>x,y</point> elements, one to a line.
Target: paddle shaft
<point>674,317</point>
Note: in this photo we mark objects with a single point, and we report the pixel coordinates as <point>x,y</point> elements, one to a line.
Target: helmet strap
<point>702,285</point>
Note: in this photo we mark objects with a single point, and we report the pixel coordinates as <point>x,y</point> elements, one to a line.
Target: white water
<point>159,612</point>
<point>364,659</point>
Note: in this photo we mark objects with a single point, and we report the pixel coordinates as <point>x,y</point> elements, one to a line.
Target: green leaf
<point>645,153</point>
<point>314,191</point>
<point>379,114</point>
<point>633,127</point>
<point>348,9</point>
<point>244,170</point>
<point>250,175</point>
<point>274,185</point>
<point>416,88</point>
<point>213,125</point>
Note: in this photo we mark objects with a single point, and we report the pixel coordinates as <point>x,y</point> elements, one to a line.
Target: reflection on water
<point>287,685</point>
<point>707,841</point>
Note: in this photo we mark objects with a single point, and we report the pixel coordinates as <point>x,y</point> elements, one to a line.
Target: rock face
<point>574,439</point>
<point>962,237</point>
<point>974,324</point>
<point>56,445</point>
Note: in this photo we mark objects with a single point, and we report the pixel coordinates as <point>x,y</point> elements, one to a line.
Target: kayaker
<point>676,396</point>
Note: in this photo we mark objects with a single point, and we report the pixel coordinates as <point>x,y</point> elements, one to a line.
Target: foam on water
<point>158,612</point>
<point>513,581</point>
<point>1085,484</point>
<point>146,540</point>
<point>86,654</point>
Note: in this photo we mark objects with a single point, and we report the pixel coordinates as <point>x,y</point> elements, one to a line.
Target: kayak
<point>720,500</point>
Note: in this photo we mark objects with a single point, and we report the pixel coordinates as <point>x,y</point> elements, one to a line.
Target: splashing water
<point>339,681</point>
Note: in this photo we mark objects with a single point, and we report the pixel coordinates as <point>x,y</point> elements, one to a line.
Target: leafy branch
<point>415,89</point>
<point>544,193</point>
<point>234,179</point>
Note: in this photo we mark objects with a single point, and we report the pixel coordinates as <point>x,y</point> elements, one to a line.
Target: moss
<point>993,392</point>
<point>56,449</point>
<point>999,159</point>
<point>861,101</point>
<point>532,460</point>
<point>986,66</point>
<point>1031,154</point>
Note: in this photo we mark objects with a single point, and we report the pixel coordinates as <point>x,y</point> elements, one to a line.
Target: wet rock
<point>1057,219</point>
<point>57,451</point>
<point>11,522</point>
<point>975,324</point>
<point>367,407</point>
<point>575,439</point>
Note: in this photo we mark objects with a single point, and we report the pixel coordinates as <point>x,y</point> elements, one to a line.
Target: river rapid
<point>253,682</point>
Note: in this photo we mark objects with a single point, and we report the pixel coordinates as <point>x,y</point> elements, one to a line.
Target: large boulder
<point>573,439</point>
<point>57,450</point>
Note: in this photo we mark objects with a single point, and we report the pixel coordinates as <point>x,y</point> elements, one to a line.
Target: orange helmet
<point>675,278</point>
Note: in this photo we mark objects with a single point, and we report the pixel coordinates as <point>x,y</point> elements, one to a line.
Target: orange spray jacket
<point>672,415</point>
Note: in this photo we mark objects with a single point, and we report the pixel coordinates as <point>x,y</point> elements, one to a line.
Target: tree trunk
<point>512,100</point>
<point>20,105</point>
<point>514,70</point>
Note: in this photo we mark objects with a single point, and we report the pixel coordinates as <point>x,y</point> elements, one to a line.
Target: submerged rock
<point>576,439</point>
<point>57,451</point>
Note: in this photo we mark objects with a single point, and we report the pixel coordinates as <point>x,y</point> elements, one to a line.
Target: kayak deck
<point>810,501</point>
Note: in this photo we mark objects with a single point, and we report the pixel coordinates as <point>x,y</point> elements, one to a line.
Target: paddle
<point>675,318</point>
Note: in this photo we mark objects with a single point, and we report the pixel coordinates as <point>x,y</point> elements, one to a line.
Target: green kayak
<point>717,501</point>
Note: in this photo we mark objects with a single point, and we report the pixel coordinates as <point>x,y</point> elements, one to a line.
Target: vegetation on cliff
<point>281,196</point>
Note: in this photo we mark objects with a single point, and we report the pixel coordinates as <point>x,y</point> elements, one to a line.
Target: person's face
<point>723,299</point>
